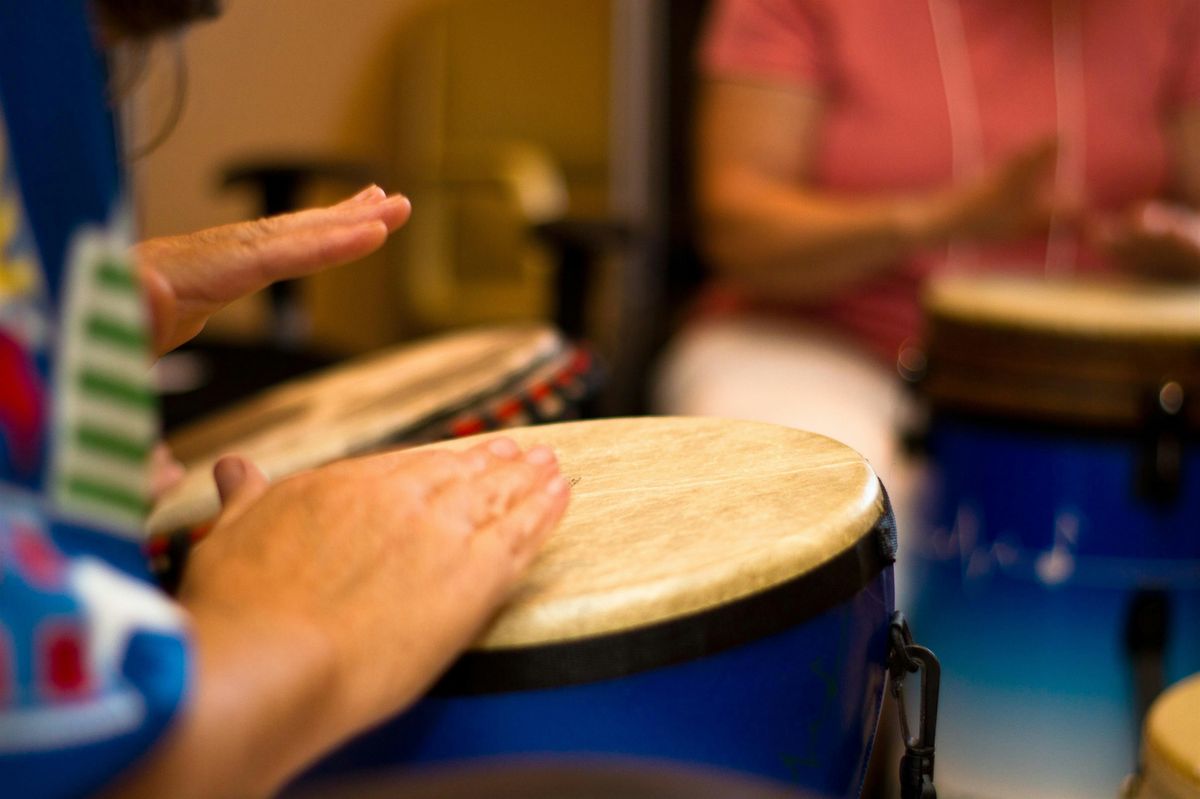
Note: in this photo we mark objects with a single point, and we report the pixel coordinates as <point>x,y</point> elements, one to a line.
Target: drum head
<point>1091,309</point>
<point>674,517</point>
<point>1088,353</point>
<point>362,406</point>
<point>1171,751</point>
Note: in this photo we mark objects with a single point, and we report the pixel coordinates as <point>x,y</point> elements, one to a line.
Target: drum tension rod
<point>904,658</point>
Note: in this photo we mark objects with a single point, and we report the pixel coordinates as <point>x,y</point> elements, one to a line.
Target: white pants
<point>785,373</point>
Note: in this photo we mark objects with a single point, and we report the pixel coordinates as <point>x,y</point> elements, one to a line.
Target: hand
<point>395,561</point>
<point>189,278</point>
<point>1013,200</point>
<point>1155,240</point>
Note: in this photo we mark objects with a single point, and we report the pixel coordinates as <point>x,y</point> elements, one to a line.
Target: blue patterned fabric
<point>94,661</point>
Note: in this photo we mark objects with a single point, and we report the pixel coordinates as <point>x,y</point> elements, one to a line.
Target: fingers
<point>372,193</point>
<point>239,484</point>
<point>524,529</point>
<point>370,205</point>
<point>507,478</point>
<point>302,252</point>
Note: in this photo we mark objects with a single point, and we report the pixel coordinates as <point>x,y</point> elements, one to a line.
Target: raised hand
<point>1154,240</point>
<point>1013,200</point>
<point>189,278</point>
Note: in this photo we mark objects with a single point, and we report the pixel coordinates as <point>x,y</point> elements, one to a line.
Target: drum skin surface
<point>1171,749</point>
<point>1039,533</point>
<point>358,407</point>
<point>718,593</point>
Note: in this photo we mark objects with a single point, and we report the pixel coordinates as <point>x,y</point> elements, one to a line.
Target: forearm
<point>263,706</point>
<point>788,243</point>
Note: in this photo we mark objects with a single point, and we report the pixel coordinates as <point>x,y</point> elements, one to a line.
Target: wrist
<point>279,678</point>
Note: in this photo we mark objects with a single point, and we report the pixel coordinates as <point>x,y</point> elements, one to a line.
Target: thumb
<point>239,484</point>
<point>160,301</point>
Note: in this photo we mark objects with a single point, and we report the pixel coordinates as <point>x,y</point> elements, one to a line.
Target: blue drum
<point>719,594</point>
<point>1058,574</point>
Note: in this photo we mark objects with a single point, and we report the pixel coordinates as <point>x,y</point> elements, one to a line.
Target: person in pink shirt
<point>848,149</point>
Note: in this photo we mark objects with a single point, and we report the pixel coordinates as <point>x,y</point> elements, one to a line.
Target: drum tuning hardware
<point>904,658</point>
<point>1164,427</point>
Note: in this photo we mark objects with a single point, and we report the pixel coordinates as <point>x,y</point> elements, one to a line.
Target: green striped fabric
<point>106,419</point>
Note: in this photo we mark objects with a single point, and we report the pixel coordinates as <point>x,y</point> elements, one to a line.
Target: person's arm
<point>767,229</point>
<point>327,602</point>
<point>1161,239</point>
<point>190,277</point>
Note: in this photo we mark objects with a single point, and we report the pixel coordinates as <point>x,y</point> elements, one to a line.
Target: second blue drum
<point>1058,572</point>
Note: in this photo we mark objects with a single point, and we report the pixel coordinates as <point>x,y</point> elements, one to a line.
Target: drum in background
<point>1058,576</point>
<point>718,593</point>
<point>458,384</point>
<point>1171,747</point>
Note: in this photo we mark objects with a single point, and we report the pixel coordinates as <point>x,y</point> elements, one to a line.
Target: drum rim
<point>680,639</point>
<point>981,301</point>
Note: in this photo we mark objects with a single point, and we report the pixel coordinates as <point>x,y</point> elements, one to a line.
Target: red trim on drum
<point>509,409</point>
<point>467,427</point>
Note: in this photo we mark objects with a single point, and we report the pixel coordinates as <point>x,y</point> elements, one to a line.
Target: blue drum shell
<point>796,702</point>
<point>1036,544</point>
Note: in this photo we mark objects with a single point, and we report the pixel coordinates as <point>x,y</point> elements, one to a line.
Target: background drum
<point>1058,578</point>
<point>458,384</point>
<point>718,593</point>
<point>1171,750</point>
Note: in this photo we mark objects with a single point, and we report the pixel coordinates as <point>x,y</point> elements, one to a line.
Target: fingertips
<point>394,211</point>
<point>503,448</point>
<point>372,193</point>
<point>499,477</point>
<point>541,456</point>
<point>525,529</point>
<point>339,245</point>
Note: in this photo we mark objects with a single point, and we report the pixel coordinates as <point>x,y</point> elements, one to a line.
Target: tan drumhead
<point>1171,750</point>
<point>1088,353</point>
<point>671,516</point>
<point>348,410</point>
<point>1097,308</point>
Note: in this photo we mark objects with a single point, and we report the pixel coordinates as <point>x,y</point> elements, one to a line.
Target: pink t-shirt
<point>886,125</point>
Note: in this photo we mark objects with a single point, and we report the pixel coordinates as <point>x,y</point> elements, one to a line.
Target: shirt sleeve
<point>93,666</point>
<point>775,40</point>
